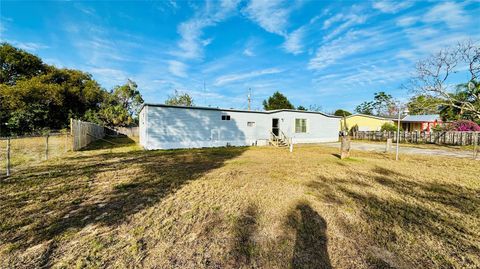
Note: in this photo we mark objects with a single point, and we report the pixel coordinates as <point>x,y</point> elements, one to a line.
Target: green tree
<point>35,96</point>
<point>365,108</point>
<point>179,99</point>
<point>30,104</point>
<point>463,104</point>
<point>18,64</point>
<point>388,127</point>
<point>424,104</point>
<point>121,106</point>
<point>383,104</point>
<point>342,113</point>
<point>301,108</point>
<point>48,100</point>
<point>277,101</point>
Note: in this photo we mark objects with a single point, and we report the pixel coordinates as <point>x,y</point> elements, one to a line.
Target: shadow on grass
<point>336,155</point>
<point>310,250</point>
<point>244,247</point>
<point>110,143</point>
<point>416,208</point>
<point>98,188</point>
<point>449,195</point>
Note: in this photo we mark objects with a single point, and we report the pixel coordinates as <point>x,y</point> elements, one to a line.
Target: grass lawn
<point>241,208</point>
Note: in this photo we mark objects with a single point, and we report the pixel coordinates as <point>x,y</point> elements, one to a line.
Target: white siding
<point>173,127</point>
<point>320,128</point>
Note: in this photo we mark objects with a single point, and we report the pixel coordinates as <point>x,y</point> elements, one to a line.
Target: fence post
<point>46,147</point>
<point>8,156</point>
<point>388,146</point>
<point>475,151</point>
<point>66,141</point>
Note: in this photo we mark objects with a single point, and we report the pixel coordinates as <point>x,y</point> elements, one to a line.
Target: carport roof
<point>421,118</point>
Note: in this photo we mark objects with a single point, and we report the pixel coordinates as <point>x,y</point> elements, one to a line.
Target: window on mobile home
<point>300,125</point>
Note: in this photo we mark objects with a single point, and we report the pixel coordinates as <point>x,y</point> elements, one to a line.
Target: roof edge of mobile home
<point>238,110</point>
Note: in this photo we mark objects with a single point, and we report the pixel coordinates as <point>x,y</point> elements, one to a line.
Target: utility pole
<point>249,98</point>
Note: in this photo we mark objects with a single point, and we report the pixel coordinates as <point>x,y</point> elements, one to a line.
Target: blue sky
<point>330,54</point>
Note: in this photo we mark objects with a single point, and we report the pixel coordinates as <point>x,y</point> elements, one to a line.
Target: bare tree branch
<point>433,75</point>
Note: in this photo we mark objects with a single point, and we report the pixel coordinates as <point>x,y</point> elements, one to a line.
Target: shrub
<point>464,126</point>
<point>388,127</point>
<point>439,128</point>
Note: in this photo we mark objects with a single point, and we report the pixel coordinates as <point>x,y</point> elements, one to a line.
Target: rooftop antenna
<point>249,98</point>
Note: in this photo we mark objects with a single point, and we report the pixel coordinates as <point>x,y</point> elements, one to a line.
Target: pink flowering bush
<point>464,126</point>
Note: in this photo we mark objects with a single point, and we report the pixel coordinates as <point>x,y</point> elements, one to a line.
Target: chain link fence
<point>21,151</point>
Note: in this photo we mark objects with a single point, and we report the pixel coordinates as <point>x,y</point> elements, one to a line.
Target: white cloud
<point>87,10</point>
<point>207,41</point>
<point>389,6</point>
<point>108,76</point>
<point>177,68</point>
<point>347,45</point>
<point>430,41</point>
<point>248,52</point>
<point>293,42</point>
<point>28,46</point>
<point>407,21</point>
<point>271,15</point>
<point>222,80</point>
<point>329,54</point>
<point>191,43</point>
<point>349,21</point>
<point>344,21</point>
<point>374,74</point>
<point>250,47</point>
<point>328,22</point>
<point>452,14</point>
<point>55,62</point>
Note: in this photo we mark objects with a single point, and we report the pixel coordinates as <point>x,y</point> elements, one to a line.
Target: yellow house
<point>365,122</point>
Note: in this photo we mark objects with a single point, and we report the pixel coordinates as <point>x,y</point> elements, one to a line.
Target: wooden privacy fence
<point>128,131</point>
<point>445,138</point>
<point>83,133</point>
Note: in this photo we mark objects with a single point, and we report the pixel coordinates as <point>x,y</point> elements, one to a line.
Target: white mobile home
<point>169,127</point>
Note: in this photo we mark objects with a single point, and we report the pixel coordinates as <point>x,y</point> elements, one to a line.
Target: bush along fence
<point>83,133</point>
<point>440,138</point>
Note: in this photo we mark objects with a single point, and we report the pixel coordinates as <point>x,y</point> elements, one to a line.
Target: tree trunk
<point>345,147</point>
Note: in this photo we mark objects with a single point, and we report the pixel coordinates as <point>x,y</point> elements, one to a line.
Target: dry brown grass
<point>241,208</point>
<point>27,150</point>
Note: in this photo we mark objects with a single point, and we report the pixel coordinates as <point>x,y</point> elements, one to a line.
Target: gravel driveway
<point>407,150</point>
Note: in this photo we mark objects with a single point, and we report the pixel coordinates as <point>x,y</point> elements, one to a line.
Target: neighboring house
<point>421,123</point>
<point>170,127</point>
<point>365,122</point>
